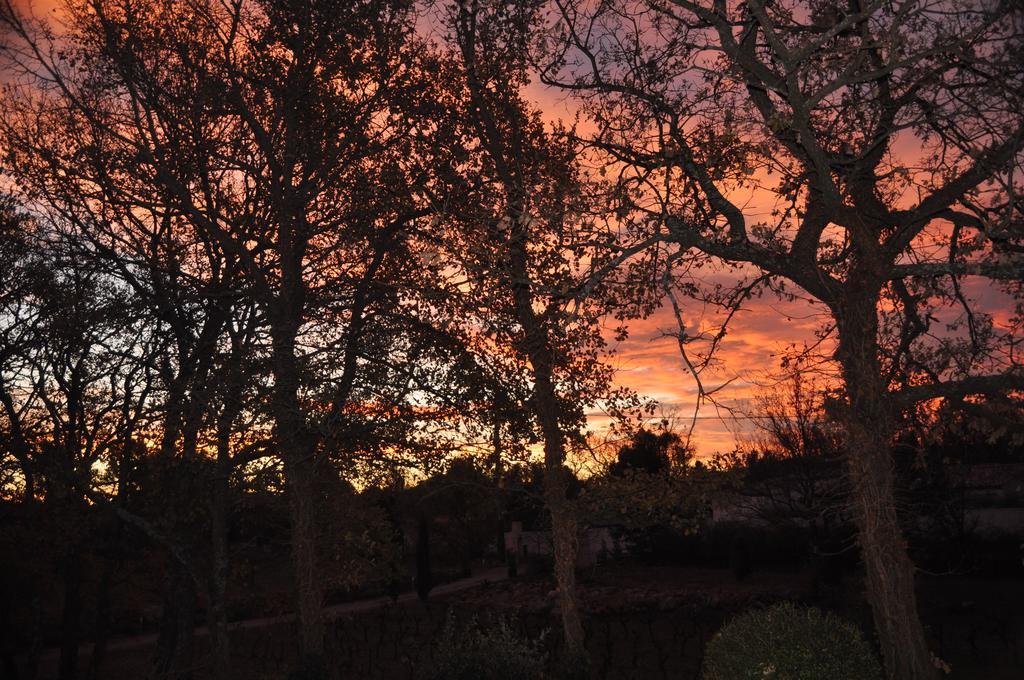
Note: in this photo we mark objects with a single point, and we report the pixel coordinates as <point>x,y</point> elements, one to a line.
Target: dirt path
<point>128,642</point>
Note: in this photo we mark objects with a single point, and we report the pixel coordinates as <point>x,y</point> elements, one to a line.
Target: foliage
<point>651,452</point>
<point>525,502</point>
<point>788,642</point>
<point>788,473</point>
<point>474,651</point>
<point>984,430</point>
<point>360,551</point>
<point>651,491</point>
<point>464,503</point>
<point>271,248</point>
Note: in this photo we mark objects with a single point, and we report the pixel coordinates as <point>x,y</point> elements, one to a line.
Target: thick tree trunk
<point>308,591</point>
<point>10,635</point>
<point>564,535</point>
<point>556,486</point>
<point>32,593</point>
<point>175,642</point>
<point>298,453</point>
<point>102,632</point>
<point>35,632</point>
<point>111,562</point>
<point>870,427</point>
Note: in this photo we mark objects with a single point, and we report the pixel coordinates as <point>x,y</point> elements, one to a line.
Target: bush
<point>473,652</point>
<point>786,642</point>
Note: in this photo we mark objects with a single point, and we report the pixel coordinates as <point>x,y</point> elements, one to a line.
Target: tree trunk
<point>174,645</point>
<point>71,623</point>
<point>547,409</point>
<point>564,535</point>
<point>31,592</point>
<point>870,427</point>
<point>10,635</point>
<point>498,469</point>
<point>35,631</point>
<point>300,479</point>
<point>217,619</point>
<point>174,650</point>
<point>556,486</point>
<point>101,634</point>
<point>111,562</point>
<point>298,453</point>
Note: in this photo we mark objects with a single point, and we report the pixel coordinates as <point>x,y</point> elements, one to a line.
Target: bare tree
<point>888,138</point>
<point>789,470</point>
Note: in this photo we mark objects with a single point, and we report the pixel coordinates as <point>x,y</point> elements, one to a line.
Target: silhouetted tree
<point>282,134</point>
<point>887,140</point>
<point>790,470</point>
<point>519,234</point>
<point>73,399</point>
<point>650,452</point>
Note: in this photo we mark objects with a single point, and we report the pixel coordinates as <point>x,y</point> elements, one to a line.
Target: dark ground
<point>642,621</point>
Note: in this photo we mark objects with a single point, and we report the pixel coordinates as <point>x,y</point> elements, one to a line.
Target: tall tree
<point>886,139</point>
<point>514,230</point>
<point>285,134</point>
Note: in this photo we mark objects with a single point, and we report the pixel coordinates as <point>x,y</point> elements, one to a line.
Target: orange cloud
<point>649,362</point>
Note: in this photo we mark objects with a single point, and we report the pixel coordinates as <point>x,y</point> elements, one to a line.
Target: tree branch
<point>981,384</point>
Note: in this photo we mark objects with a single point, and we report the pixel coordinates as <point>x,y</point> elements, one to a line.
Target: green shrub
<point>786,642</point>
<point>495,652</point>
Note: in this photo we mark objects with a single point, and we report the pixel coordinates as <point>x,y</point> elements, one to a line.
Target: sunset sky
<point>649,362</point>
<point>758,337</point>
<point>749,357</point>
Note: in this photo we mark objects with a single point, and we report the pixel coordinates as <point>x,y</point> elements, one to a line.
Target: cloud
<point>649,363</point>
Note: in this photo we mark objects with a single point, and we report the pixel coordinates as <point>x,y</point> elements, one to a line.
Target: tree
<point>283,135</point>
<point>649,488</point>
<point>887,140</point>
<point>469,502</point>
<point>788,474</point>
<point>791,467</point>
<point>970,432</point>
<point>516,234</point>
<point>650,452</point>
<point>73,399</point>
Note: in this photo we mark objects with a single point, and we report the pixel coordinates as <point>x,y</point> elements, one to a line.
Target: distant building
<point>596,544</point>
